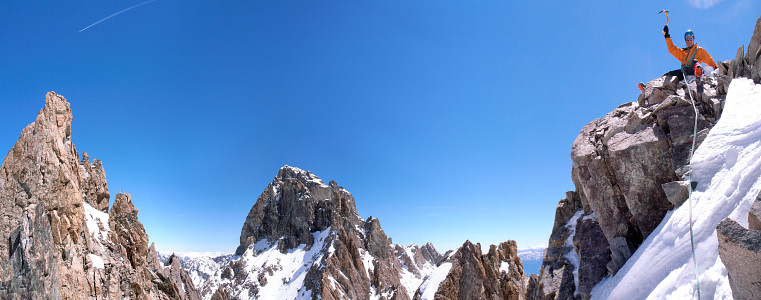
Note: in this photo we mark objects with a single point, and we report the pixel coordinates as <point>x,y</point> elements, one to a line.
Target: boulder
<point>658,90</point>
<point>676,191</point>
<point>740,252</point>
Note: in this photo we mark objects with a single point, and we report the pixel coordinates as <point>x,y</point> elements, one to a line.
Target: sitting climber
<point>688,56</point>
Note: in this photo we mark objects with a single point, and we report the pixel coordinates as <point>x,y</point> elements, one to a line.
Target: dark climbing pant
<point>678,73</point>
<point>688,70</point>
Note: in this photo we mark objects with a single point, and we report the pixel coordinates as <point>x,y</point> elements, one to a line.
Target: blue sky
<point>447,120</point>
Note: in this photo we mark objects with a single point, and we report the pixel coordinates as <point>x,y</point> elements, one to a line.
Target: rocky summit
<point>304,238</point>
<point>629,169</point>
<point>62,240</point>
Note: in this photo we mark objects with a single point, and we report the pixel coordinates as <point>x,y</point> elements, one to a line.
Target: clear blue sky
<point>447,120</point>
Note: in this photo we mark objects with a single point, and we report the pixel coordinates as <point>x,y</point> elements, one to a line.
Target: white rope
<point>689,179</point>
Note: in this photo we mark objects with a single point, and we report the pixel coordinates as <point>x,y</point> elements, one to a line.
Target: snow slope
<point>408,278</point>
<point>431,284</point>
<point>727,167</point>
<point>200,265</point>
<point>273,274</point>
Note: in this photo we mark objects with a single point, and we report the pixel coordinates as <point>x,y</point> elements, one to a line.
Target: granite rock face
<point>594,254</point>
<point>745,64</point>
<point>63,243</point>
<point>628,169</point>
<point>335,254</point>
<point>471,274</point>
<point>740,252</point>
<point>556,280</point>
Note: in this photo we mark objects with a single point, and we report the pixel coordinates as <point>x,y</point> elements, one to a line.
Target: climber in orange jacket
<point>689,56</point>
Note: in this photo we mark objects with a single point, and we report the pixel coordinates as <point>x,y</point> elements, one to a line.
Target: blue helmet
<point>689,33</point>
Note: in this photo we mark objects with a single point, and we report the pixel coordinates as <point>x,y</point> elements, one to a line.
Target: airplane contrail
<point>117,13</point>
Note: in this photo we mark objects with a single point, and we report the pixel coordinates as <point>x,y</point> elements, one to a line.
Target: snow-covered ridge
<point>727,167</point>
<point>310,177</point>
<point>200,265</point>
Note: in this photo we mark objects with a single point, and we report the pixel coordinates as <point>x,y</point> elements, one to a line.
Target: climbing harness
<point>689,177</point>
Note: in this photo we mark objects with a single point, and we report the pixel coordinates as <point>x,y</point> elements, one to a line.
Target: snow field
<point>97,222</point>
<point>285,272</point>
<point>727,167</point>
<point>408,279</point>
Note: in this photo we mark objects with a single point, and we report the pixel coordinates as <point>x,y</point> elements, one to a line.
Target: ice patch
<point>97,222</point>
<point>431,285</point>
<point>367,260</point>
<point>571,255</point>
<point>97,261</point>
<point>505,267</point>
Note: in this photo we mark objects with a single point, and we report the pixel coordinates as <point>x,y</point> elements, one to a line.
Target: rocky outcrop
<point>94,187</point>
<point>63,243</point>
<point>745,64</point>
<point>299,218</point>
<point>740,252</point>
<point>556,280</point>
<point>174,280</point>
<point>628,169</point>
<point>471,274</point>
<point>594,254</point>
<point>676,192</point>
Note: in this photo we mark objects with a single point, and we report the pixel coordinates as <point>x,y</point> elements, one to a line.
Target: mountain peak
<point>305,177</point>
<point>56,115</point>
<point>294,205</point>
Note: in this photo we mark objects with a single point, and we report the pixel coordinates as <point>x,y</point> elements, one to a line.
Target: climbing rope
<point>689,179</point>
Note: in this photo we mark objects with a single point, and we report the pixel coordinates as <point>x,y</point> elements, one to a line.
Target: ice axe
<point>667,15</point>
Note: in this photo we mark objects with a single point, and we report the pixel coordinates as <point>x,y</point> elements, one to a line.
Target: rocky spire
<point>469,274</point>
<point>63,243</point>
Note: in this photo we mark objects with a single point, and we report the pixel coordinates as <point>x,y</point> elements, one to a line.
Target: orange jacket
<point>682,54</point>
